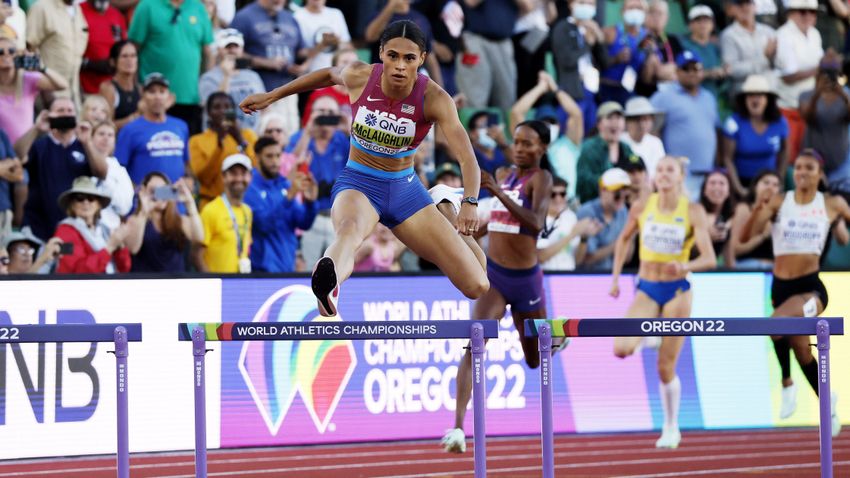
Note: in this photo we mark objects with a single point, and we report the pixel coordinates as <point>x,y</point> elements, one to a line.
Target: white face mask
<point>634,17</point>
<point>554,132</point>
<point>584,11</point>
<point>485,140</point>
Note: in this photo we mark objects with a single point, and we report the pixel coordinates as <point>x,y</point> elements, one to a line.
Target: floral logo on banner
<point>276,371</point>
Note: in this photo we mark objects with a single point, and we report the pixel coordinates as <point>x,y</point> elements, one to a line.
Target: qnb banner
<point>325,391</point>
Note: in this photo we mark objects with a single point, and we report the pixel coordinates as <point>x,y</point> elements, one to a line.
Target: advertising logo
<point>276,371</point>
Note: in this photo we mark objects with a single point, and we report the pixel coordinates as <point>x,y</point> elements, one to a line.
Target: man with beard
<point>278,209</point>
<point>227,222</point>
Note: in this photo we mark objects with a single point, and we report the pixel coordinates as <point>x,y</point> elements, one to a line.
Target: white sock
<point>671,396</point>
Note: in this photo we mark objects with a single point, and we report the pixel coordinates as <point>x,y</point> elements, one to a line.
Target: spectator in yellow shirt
<point>223,137</point>
<point>227,222</point>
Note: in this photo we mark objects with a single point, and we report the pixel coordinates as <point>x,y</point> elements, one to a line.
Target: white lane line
<point>736,470</point>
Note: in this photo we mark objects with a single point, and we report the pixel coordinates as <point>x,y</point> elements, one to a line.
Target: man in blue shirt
<point>325,147</point>
<point>272,41</point>
<point>691,121</point>
<point>53,162</point>
<point>155,142</point>
<point>609,214</point>
<point>277,211</point>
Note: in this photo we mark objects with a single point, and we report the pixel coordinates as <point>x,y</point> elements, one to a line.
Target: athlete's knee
<point>475,288</point>
<point>666,370</point>
<point>623,350</point>
<point>347,226</point>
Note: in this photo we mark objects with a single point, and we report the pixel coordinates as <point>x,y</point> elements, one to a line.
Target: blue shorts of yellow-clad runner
<point>663,292</point>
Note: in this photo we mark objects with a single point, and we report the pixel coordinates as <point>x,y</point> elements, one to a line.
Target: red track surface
<point>748,453</point>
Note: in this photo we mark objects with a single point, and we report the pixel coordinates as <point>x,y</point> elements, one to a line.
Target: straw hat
<point>83,185</point>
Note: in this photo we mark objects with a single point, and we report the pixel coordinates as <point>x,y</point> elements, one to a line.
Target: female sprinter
<point>393,107</point>
<point>801,221</point>
<point>513,269</point>
<point>669,226</point>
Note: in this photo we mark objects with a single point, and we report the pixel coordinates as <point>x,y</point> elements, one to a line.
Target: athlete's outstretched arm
<point>621,246</point>
<point>440,109</point>
<point>320,78</point>
<point>706,259</point>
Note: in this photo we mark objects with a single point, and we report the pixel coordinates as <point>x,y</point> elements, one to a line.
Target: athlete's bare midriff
<point>514,251</point>
<point>793,266</point>
<point>654,271</point>
<point>391,165</point>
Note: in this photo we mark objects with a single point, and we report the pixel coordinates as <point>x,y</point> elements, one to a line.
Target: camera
<point>165,193</point>
<point>230,115</point>
<point>66,248</point>
<point>328,120</point>
<point>28,62</point>
<point>242,63</point>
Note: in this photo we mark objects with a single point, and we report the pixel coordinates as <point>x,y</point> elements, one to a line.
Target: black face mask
<point>63,123</point>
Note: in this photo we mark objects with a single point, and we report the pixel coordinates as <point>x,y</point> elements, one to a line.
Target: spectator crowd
<point>122,148</point>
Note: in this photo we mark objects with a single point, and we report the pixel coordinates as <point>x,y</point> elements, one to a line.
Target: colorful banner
<point>60,399</point>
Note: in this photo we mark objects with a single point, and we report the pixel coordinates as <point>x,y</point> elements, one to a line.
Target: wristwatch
<point>470,200</point>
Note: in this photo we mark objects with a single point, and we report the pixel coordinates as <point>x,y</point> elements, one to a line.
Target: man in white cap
<point>640,123</point>
<point>231,75</point>
<point>701,42</point>
<point>609,213</point>
<point>227,222</point>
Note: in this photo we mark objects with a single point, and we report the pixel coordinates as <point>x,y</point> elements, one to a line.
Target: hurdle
<point>822,327</point>
<point>475,330</point>
<point>119,334</point>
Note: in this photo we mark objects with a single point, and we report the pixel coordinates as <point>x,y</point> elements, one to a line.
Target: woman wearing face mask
<point>491,148</point>
<point>801,222</point>
<point>19,88</point>
<point>625,57</point>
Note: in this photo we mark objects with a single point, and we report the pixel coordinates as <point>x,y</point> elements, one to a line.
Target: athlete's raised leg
<point>353,218</point>
<point>642,307</point>
<point>430,236</point>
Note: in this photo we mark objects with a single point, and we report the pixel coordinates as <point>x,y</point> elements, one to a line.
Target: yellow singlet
<point>665,237</point>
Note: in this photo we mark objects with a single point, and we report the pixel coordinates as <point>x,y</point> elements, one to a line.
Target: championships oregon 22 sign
<point>317,391</point>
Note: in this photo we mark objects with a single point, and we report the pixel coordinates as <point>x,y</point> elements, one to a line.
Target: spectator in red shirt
<point>96,249</point>
<point>339,93</point>
<point>106,26</point>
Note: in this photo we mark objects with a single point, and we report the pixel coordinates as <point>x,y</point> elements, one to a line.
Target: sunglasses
<point>274,130</point>
<point>562,194</point>
<point>692,68</point>
<point>24,250</point>
<point>83,197</point>
<point>175,16</point>
<point>10,51</point>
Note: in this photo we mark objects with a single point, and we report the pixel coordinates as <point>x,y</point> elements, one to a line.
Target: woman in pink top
<point>19,87</point>
<point>379,252</point>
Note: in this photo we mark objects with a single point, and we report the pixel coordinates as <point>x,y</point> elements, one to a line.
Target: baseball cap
<point>547,113</point>
<point>614,179</point>
<point>608,108</point>
<point>698,11</point>
<point>236,159</point>
<point>687,57</point>
<point>631,163</point>
<point>154,78</point>
<point>447,168</point>
<point>229,36</point>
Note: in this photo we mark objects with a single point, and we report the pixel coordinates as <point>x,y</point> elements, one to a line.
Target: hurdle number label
<point>9,333</point>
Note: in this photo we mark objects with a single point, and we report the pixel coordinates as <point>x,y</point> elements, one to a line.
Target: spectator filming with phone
<point>95,248</point>
<point>22,77</point>
<point>328,148</point>
<point>232,75</point>
<point>223,137</point>
<point>158,235</point>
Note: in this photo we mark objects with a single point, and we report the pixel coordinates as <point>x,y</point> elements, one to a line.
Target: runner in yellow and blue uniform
<point>669,227</point>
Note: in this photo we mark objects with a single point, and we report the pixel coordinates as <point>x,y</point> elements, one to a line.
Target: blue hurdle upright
<point>119,334</point>
<point>545,329</point>
<point>476,330</point>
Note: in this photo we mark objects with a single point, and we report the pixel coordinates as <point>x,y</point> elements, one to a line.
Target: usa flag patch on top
<point>407,109</point>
